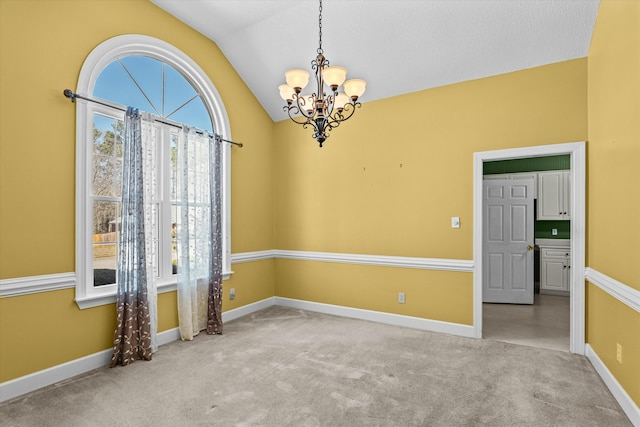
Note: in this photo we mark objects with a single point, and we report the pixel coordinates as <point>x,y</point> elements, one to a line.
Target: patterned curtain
<point>133,335</point>
<point>199,235</point>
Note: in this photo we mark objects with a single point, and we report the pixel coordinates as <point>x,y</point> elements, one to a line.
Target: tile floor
<point>545,324</point>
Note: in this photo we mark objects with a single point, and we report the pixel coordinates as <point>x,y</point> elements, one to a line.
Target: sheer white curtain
<point>199,234</point>
<point>151,179</point>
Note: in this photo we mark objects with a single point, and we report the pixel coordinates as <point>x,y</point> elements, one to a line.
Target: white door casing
<point>577,206</point>
<point>508,241</point>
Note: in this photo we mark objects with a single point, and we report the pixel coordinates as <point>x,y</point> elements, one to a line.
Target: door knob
<point>529,248</point>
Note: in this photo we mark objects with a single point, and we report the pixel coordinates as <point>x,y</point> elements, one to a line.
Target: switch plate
<point>455,222</point>
<point>554,231</point>
<point>401,297</point>
<point>619,353</point>
<point>232,293</point>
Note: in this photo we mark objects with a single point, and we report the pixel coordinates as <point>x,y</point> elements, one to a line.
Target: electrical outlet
<point>232,293</point>
<point>554,231</point>
<point>619,353</point>
<point>401,297</point>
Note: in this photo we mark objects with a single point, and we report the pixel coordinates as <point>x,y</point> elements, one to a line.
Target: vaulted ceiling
<point>398,46</point>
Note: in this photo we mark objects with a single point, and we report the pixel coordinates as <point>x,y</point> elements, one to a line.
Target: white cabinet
<point>520,175</point>
<point>555,269</point>
<point>554,198</point>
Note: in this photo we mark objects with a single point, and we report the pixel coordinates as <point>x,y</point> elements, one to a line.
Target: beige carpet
<point>286,367</point>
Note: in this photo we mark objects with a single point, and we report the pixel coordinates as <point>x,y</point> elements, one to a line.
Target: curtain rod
<point>72,96</point>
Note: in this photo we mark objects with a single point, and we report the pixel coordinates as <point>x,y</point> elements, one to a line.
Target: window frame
<point>88,295</point>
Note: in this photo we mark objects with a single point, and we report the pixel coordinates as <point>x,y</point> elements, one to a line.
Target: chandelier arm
<point>300,107</point>
<point>341,116</point>
<point>297,119</point>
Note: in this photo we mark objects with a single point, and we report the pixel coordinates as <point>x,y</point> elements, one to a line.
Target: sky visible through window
<point>172,97</point>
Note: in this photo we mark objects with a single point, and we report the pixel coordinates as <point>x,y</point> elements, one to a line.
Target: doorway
<point>577,152</point>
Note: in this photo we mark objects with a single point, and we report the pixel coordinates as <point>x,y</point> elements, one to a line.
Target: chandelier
<point>323,112</point>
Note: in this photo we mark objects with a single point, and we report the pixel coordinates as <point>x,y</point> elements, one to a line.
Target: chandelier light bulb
<point>309,103</point>
<point>355,88</point>
<point>286,92</point>
<point>340,101</point>
<point>334,76</point>
<point>297,79</point>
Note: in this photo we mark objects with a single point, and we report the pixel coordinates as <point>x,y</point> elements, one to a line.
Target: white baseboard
<point>36,380</point>
<point>380,317</point>
<point>46,377</point>
<point>624,400</point>
<point>230,315</point>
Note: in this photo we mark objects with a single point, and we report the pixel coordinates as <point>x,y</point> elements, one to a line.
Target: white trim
<point>50,282</point>
<point>379,316</point>
<point>31,382</point>
<point>64,371</point>
<point>236,313</point>
<point>35,284</point>
<point>380,260</point>
<point>252,256</point>
<point>96,61</point>
<point>577,150</point>
<point>622,397</point>
<point>623,293</point>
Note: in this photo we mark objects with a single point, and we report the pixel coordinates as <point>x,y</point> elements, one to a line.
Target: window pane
<point>147,72</point>
<point>175,213</point>
<point>177,89</point>
<point>174,166</point>
<point>194,114</point>
<point>106,227</point>
<point>106,177</point>
<point>113,84</point>
<point>102,142</point>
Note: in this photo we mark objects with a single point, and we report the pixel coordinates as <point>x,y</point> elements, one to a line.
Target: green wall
<point>532,164</point>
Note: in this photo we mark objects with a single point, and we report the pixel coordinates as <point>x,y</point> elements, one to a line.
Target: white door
<point>508,241</point>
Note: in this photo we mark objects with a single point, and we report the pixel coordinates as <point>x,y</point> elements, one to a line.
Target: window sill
<point>110,297</point>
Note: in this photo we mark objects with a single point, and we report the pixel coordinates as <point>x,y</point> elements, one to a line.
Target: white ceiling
<point>398,46</point>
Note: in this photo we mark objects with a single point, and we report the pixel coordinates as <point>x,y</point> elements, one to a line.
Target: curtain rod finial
<point>69,94</point>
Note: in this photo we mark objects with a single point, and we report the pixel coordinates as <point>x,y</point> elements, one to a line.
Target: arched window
<point>152,76</point>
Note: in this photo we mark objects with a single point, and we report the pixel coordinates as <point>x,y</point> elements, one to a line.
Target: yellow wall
<point>430,294</point>
<point>389,181</point>
<point>43,45</point>
<point>613,183</point>
<point>386,183</point>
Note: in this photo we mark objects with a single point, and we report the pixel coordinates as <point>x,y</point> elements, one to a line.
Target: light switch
<point>455,222</point>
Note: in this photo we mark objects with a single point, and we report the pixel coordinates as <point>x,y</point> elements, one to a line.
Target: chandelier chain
<point>320,51</point>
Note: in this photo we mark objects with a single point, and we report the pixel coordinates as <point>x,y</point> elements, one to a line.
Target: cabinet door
<point>550,195</point>
<point>553,274</point>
